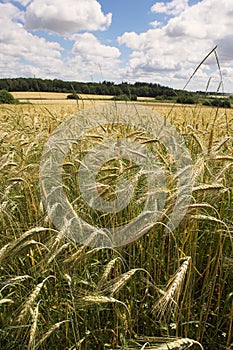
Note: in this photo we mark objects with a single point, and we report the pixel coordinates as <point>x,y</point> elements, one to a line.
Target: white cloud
<point>8,10</point>
<point>174,50</point>
<point>65,17</point>
<point>89,56</point>
<point>88,45</point>
<point>174,7</point>
<point>21,50</point>
<point>210,19</point>
<point>24,54</point>
<point>155,24</point>
<point>225,48</point>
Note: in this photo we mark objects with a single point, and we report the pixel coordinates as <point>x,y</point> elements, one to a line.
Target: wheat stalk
<point>117,284</point>
<point>31,300</point>
<point>31,343</point>
<point>11,281</point>
<point>15,245</point>
<point>198,169</point>
<point>5,300</point>
<point>98,299</point>
<point>222,171</point>
<point>199,206</point>
<point>220,144</point>
<point>106,273</point>
<point>179,344</point>
<point>173,290</point>
<point>59,251</point>
<point>49,332</point>
<point>26,245</point>
<point>3,251</point>
<point>74,257</point>
<point>57,240</point>
<point>101,299</point>
<point>203,149</point>
<point>209,218</point>
<point>222,158</point>
<point>208,187</point>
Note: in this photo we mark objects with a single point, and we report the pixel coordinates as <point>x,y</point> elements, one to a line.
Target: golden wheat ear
<point>6,300</point>
<point>115,285</point>
<point>31,343</point>
<point>49,332</point>
<point>172,291</point>
<point>179,344</point>
<point>32,297</point>
<point>107,272</point>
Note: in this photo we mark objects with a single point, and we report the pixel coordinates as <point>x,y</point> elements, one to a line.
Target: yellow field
<point>57,293</point>
<point>42,106</point>
<point>51,97</point>
<point>51,112</point>
<point>44,103</point>
<point>25,95</point>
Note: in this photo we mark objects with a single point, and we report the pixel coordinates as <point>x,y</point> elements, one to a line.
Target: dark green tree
<point>6,97</point>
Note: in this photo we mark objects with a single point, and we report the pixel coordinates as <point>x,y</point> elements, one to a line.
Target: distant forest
<point>101,88</point>
<point>122,91</point>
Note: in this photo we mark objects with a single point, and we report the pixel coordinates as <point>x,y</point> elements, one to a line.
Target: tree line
<point>101,88</point>
<point>121,91</point>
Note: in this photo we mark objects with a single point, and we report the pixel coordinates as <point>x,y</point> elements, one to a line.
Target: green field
<point>166,290</point>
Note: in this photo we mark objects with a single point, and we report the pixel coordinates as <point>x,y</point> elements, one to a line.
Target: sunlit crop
<point>167,289</point>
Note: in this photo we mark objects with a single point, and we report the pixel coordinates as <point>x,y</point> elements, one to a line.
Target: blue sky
<point>118,40</point>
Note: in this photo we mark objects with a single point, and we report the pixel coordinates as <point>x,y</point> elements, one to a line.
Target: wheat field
<point>166,290</point>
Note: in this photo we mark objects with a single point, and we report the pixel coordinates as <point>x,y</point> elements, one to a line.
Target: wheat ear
<point>31,299</point>
<point>115,285</point>
<point>14,280</point>
<point>3,251</point>
<point>49,332</point>
<point>173,290</point>
<point>4,301</point>
<point>31,343</point>
<point>59,251</point>
<point>179,344</point>
<point>106,273</point>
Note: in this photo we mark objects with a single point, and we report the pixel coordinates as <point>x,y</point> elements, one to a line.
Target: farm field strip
<point>53,96</point>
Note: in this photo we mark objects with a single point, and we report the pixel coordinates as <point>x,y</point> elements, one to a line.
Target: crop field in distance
<point>166,290</point>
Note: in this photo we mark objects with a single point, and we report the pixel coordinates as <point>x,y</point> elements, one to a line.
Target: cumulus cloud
<point>88,45</point>
<point>20,49</point>
<point>65,17</point>
<point>26,54</point>
<point>225,48</point>
<point>9,11</point>
<point>155,24</point>
<point>173,50</point>
<point>209,19</point>
<point>174,7</point>
<point>89,56</point>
